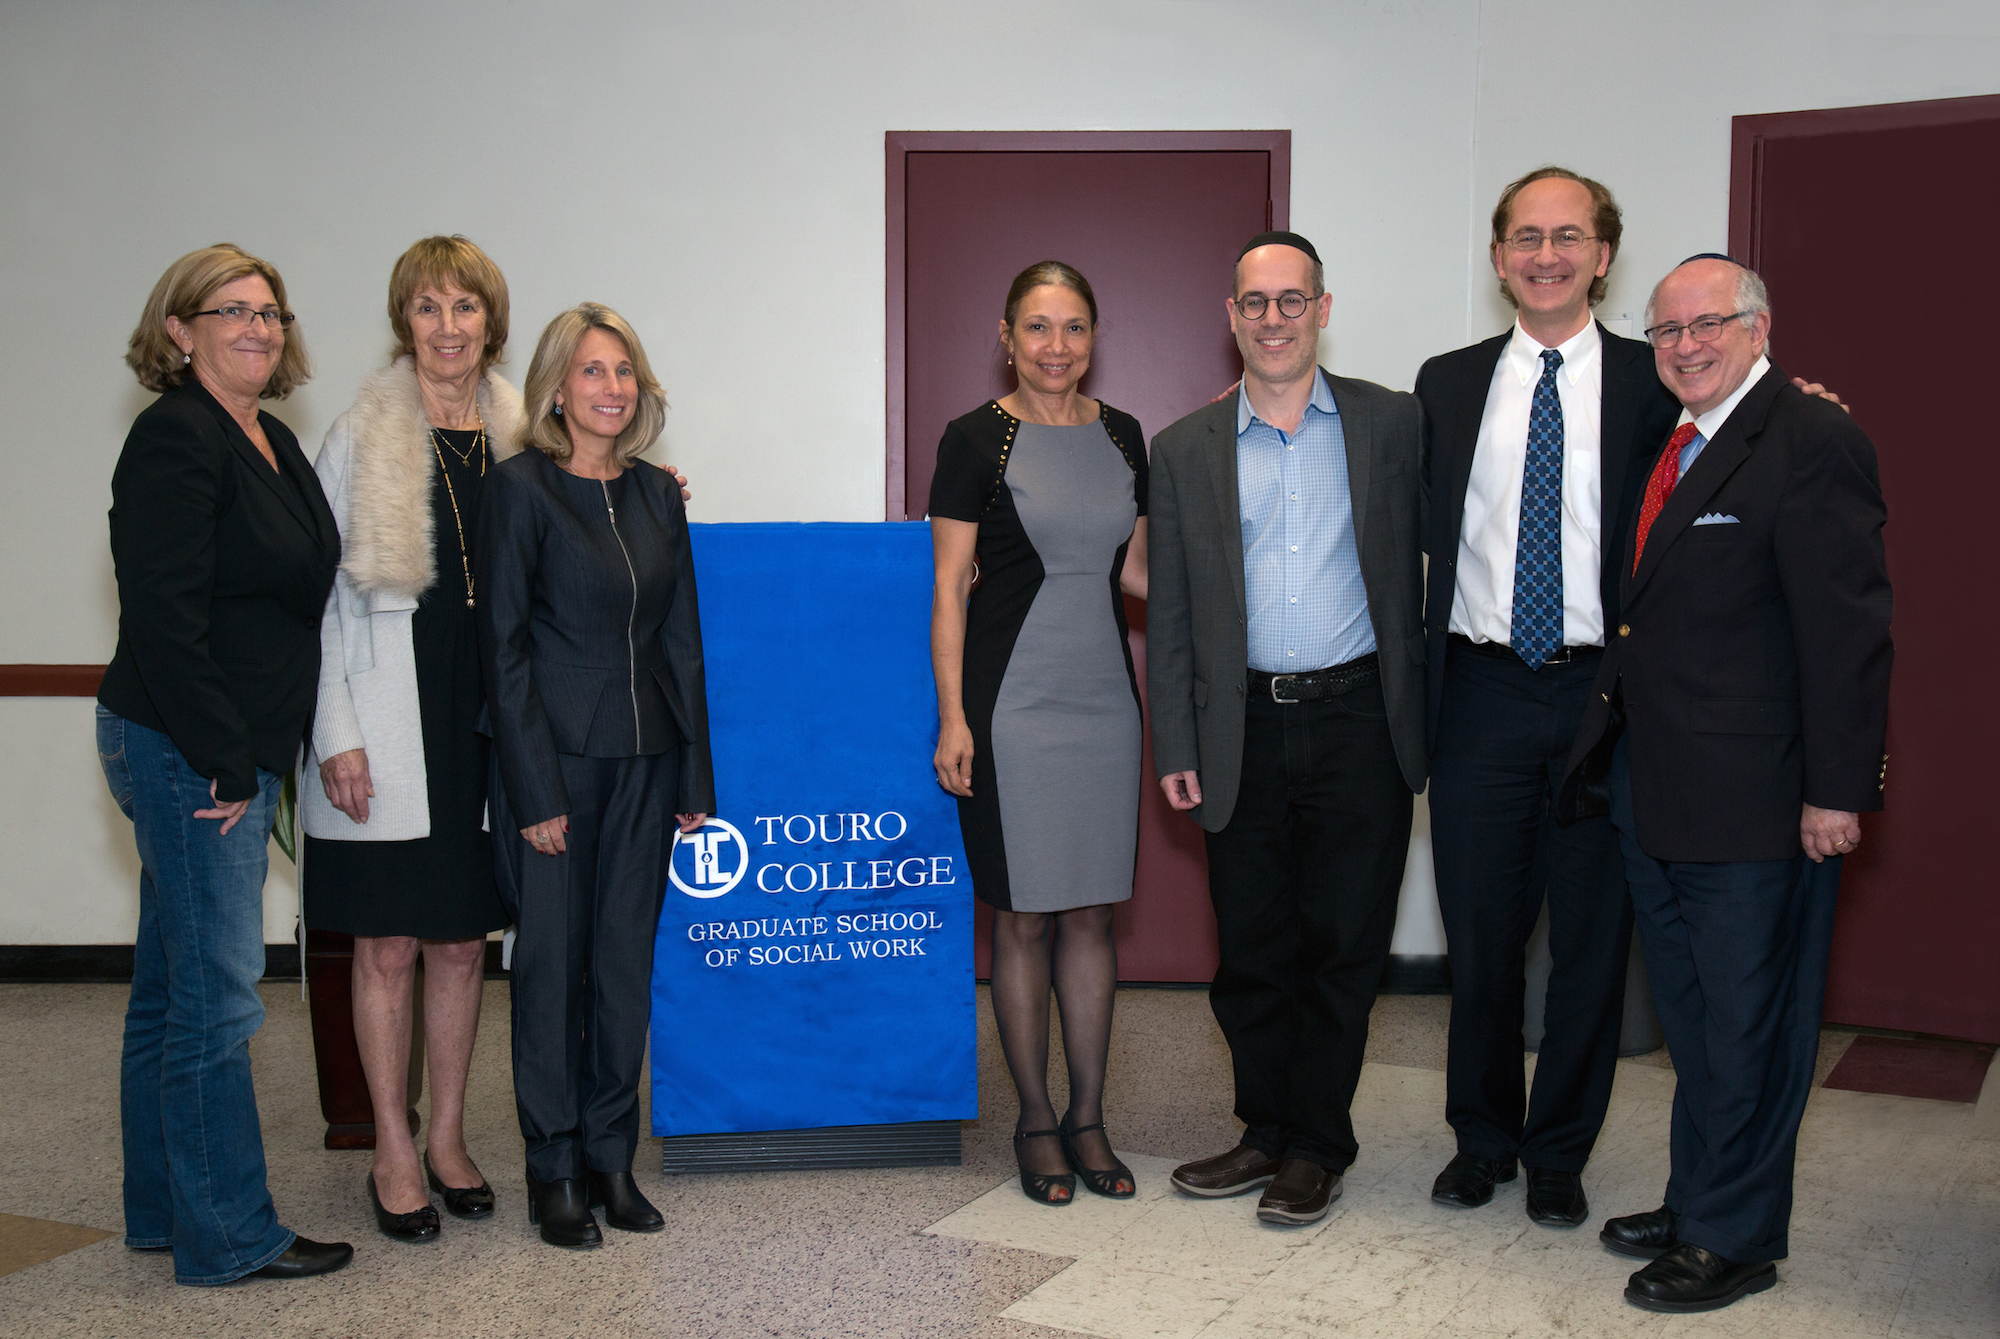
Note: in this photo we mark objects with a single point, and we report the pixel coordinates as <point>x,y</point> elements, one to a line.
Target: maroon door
<point>1874,228</point>
<point>1154,221</point>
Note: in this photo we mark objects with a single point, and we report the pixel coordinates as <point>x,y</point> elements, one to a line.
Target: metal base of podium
<point>917,1144</point>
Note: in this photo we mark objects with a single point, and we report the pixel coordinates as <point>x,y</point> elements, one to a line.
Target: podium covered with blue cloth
<point>812,977</point>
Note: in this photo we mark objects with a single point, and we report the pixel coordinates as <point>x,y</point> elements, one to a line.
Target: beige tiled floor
<point>1896,1232</point>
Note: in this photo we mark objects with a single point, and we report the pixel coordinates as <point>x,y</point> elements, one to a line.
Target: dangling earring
<point>187,359</point>
<point>559,409</point>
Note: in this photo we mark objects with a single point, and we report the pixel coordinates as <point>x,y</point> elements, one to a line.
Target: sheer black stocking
<point>1074,951</point>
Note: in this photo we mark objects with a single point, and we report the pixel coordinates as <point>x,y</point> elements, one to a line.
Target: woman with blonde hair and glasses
<point>224,551</point>
<point>592,643</point>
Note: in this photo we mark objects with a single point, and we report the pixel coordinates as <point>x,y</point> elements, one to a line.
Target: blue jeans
<point>194,1155</point>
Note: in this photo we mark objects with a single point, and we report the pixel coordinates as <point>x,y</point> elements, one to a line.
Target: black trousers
<point>583,960</point>
<point>1503,738</point>
<point>1304,879</point>
<point>1737,953</point>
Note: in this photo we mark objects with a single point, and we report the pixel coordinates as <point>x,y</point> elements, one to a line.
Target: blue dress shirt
<point>1302,581</point>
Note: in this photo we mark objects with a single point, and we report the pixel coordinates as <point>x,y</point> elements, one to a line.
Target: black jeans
<point>1503,738</point>
<point>1304,879</point>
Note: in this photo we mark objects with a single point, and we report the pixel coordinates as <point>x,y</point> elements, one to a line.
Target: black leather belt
<point>1329,682</point>
<point>1560,656</point>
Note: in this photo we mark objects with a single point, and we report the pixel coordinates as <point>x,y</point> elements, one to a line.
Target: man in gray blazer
<point>1285,651</point>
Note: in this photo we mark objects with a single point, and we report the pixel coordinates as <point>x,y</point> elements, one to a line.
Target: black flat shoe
<point>1116,1184</point>
<point>1058,1189</point>
<point>624,1207</point>
<point>459,1203</point>
<point>1556,1199</point>
<point>417,1225</point>
<point>1467,1181</point>
<point>1689,1278</point>
<point>303,1259</point>
<point>562,1210</point>
<point>1641,1235</point>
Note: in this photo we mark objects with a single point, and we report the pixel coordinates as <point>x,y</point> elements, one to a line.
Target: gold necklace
<point>479,445</point>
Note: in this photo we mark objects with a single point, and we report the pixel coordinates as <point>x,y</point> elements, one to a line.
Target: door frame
<point>1749,134</point>
<point>898,145</point>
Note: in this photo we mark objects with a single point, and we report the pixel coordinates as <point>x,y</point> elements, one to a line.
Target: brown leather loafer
<point>1301,1193</point>
<point>1241,1168</point>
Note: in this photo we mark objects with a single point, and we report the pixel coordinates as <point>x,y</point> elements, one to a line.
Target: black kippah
<point>1290,239</point>
<point>1714,255</point>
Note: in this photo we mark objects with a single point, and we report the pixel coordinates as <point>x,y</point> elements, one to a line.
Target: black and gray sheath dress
<point>1049,692</point>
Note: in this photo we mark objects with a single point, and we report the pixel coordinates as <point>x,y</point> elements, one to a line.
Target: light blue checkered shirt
<point>1301,569</point>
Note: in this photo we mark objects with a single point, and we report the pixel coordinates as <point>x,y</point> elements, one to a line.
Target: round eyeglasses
<point>237,317</point>
<point>1291,304</point>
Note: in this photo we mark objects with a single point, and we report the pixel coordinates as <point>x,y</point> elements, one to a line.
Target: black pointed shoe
<point>562,1210</point>
<point>417,1225</point>
<point>459,1202</point>
<point>303,1259</point>
<point>1641,1235</point>
<point>1689,1278</point>
<point>624,1207</point>
<point>1556,1199</point>
<point>1467,1181</point>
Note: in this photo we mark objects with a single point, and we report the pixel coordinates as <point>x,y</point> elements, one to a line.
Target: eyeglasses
<point>1705,329</point>
<point>1292,305</point>
<point>237,317</point>
<point>1563,239</point>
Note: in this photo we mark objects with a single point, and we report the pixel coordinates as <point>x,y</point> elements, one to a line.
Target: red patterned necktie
<point>1665,475</point>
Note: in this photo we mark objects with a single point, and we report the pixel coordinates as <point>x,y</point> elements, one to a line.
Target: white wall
<point>716,173</point>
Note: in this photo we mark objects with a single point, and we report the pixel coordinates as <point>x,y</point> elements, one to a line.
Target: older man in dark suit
<point>1750,672</point>
<point>1285,663</point>
<point>1534,439</point>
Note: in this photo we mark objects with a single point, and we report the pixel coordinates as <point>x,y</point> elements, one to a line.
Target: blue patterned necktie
<point>1538,572</point>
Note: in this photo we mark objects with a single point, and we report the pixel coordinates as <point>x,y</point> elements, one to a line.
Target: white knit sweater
<point>376,466</point>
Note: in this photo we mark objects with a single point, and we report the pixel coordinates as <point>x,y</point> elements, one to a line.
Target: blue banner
<point>814,959</point>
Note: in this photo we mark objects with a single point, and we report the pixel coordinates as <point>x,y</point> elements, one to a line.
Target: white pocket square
<point>1716,518</point>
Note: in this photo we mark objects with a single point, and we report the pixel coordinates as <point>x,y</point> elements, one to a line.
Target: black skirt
<point>440,886</point>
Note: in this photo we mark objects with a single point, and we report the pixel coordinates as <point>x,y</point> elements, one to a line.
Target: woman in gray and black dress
<point>1038,708</point>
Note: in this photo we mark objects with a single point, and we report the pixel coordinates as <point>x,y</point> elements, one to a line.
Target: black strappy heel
<point>1101,1183</point>
<point>1043,1189</point>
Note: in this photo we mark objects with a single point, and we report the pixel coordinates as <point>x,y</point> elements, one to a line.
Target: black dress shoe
<point>1467,1181</point>
<point>461,1203</point>
<point>1300,1193</point>
<point>417,1225</point>
<point>624,1207</point>
<point>562,1210</point>
<point>1241,1168</point>
<point>1556,1199</point>
<point>1688,1278</point>
<point>303,1259</point>
<point>1643,1235</point>
<point>1116,1182</point>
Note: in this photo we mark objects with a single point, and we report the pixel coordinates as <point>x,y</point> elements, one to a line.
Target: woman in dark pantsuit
<point>592,647</point>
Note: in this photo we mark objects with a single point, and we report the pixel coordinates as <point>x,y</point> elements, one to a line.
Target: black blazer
<point>1636,415</point>
<point>223,569</point>
<point>589,629</point>
<point>1752,657</point>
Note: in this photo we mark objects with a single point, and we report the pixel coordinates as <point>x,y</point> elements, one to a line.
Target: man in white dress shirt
<point>1532,439</point>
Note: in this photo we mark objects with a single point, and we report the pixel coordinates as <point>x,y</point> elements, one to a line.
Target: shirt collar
<point>1579,352</point>
<point>1322,400</point>
<point>1711,423</point>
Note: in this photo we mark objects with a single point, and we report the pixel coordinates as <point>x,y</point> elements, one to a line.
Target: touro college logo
<point>711,860</point>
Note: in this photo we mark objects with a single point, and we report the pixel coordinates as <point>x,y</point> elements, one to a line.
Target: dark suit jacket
<point>1636,415</point>
<point>1752,657</point>
<point>589,630</point>
<point>223,569</point>
<point>1197,631</point>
